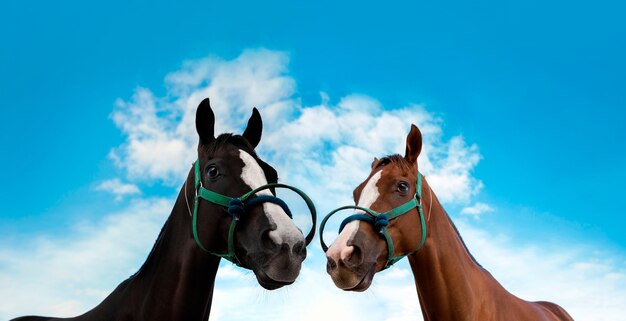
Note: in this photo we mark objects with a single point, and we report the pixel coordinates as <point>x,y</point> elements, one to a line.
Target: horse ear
<point>254,129</point>
<point>374,162</point>
<point>413,144</point>
<point>205,122</point>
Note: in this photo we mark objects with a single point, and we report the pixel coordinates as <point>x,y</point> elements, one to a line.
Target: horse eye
<point>212,171</point>
<point>403,187</point>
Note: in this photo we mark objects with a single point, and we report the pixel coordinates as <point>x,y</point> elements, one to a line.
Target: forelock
<point>241,143</point>
<point>395,160</point>
<point>229,139</point>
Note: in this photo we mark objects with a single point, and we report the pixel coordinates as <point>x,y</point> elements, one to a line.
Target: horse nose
<point>349,256</point>
<point>272,240</point>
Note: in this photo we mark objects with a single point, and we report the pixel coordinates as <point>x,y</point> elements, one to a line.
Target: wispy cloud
<point>589,282</point>
<point>68,274</point>
<point>326,149</point>
<point>477,209</point>
<point>118,188</point>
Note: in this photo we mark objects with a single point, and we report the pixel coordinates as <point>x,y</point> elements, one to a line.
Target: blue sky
<point>538,88</point>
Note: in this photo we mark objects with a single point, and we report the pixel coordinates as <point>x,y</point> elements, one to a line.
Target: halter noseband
<point>238,206</point>
<point>381,220</point>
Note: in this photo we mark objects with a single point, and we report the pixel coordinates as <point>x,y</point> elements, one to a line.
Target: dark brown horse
<point>176,281</point>
<point>399,212</point>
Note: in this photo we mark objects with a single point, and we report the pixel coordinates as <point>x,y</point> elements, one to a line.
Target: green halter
<point>237,206</point>
<point>381,220</point>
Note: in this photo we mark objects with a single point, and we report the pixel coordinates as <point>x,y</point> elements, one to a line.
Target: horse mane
<point>461,238</point>
<point>406,167</point>
<point>154,246</point>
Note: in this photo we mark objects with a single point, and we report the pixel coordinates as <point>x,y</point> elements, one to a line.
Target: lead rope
<point>430,206</point>
<point>186,198</point>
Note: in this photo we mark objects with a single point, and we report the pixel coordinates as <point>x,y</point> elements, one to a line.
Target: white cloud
<point>118,188</point>
<point>477,209</point>
<point>161,131</point>
<point>327,145</point>
<point>326,150</point>
<point>314,297</point>
<point>589,283</point>
<point>66,275</point>
<point>590,286</point>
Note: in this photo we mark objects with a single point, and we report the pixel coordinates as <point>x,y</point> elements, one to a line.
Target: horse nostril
<point>298,248</point>
<point>267,240</point>
<point>330,264</point>
<point>352,255</point>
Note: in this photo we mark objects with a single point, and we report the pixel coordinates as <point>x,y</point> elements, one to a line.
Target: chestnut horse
<point>399,215</point>
<point>253,231</point>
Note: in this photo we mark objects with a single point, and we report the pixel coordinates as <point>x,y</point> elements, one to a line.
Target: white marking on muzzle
<point>340,249</point>
<point>286,231</point>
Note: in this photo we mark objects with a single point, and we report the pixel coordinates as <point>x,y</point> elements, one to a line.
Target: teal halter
<point>381,220</point>
<point>237,206</point>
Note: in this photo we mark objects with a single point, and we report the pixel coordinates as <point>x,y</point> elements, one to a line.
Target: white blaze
<point>340,249</point>
<point>286,232</point>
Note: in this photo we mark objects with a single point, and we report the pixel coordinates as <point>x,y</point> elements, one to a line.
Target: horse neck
<point>448,280</point>
<point>176,281</point>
